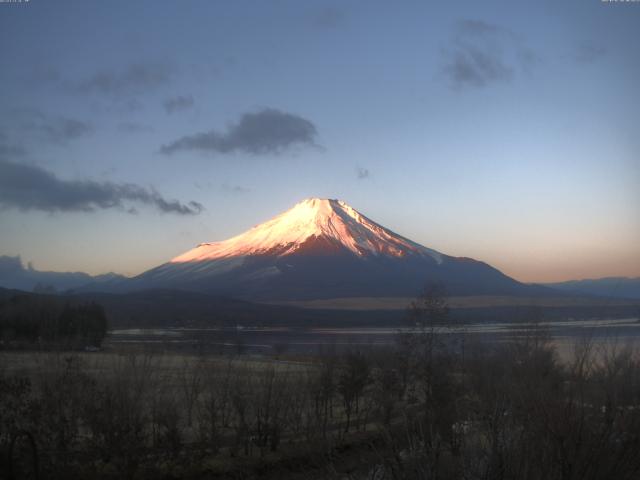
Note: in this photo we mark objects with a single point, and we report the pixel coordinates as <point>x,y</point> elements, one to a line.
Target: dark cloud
<point>134,79</point>
<point>133,127</point>
<point>234,188</point>
<point>10,150</point>
<point>109,171</point>
<point>363,173</point>
<point>327,17</point>
<point>51,128</point>
<point>478,27</point>
<point>268,131</point>
<point>482,54</point>
<point>28,187</point>
<point>179,103</point>
<point>43,75</point>
<point>588,53</point>
<point>126,105</point>
<point>203,185</point>
<point>211,69</point>
<point>225,187</point>
<point>63,129</point>
<point>473,66</point>
<point>527,58</point>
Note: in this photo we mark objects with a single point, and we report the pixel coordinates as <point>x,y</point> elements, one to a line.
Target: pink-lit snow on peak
<point>313,217</point>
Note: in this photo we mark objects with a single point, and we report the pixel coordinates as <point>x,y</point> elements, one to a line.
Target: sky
<point>508,132</point>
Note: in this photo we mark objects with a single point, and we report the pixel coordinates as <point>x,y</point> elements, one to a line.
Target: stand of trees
<point>46,319</point>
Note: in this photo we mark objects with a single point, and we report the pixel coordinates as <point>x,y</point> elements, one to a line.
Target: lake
<point>266,340</point>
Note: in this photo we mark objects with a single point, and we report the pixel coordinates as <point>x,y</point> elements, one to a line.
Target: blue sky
<point>503,131</point>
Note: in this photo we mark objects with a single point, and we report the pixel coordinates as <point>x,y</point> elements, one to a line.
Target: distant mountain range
<point>615,287</point>
<point>319,249</point>
<point>13,274</point>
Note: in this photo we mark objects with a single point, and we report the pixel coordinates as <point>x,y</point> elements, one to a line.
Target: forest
<point>28,319</point>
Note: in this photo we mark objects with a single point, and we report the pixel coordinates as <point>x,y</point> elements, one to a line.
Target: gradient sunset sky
<point>504,131</point>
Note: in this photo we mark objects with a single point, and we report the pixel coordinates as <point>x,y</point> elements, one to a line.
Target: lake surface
<point>318,340</point>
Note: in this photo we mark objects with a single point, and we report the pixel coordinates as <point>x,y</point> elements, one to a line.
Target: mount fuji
<point>320,249</point>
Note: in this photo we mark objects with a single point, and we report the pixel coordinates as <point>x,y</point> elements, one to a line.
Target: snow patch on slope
<point>310,218</point>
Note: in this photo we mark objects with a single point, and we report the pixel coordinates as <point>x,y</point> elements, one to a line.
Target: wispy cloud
<point>179,103</point>
<point>363,173</point>
<point>134,127</point>
<point>481,54</point>
<point>29,187</point>
<point>268,131</point>
<point>9,149</point>
<point>42,75</point>
<point>133,79</point>
<point>228,188</point>
<point>588,53</point>
<point>51,128</point>
<point>327,17</point>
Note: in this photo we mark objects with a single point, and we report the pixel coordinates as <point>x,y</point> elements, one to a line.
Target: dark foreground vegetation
<point>49,321</point>
<point>437,406</point>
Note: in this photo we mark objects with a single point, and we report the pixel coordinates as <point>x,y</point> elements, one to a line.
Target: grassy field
<point>233,413</point>
<point>420,408</point>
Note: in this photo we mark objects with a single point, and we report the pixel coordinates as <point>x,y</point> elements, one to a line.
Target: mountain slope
<point>616,287</point>
<point>332,220</point>
<point>324,249</point>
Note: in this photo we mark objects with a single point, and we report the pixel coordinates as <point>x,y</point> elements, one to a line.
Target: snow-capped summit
<point>313,219</point>
<point>322,248</point>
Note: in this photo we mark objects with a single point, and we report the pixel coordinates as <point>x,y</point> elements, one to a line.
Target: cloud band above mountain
<point>268,131</point>
<point>28,187</point>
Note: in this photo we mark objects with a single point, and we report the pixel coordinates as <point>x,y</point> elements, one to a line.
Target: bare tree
<point>191,384</point>
<point>215,410</point>
<point>354,377</point>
